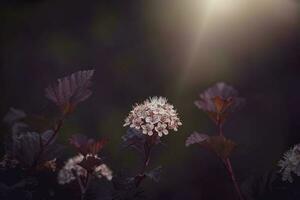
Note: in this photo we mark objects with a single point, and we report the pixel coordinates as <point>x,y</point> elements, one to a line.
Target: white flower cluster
<point>154,115</point>
<point>72,169</point>
<point>103,170</point>
<point>290,163</point>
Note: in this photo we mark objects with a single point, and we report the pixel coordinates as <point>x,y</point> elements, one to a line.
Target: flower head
<point>154,116</point>
<point>77,167</point>
<point>103,171</point>
<point>219,100</point>
<point>290,163</point>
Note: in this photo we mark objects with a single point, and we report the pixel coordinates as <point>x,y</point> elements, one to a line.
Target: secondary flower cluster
<point>154,116</point>
<point>290,163</point>
<point>73,169</point>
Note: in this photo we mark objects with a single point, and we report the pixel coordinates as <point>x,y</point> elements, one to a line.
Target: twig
<point>232,176</point>
<point>80,183</point>
<point>230,169</point>
<point>43,146</point>
<point>147,147</point>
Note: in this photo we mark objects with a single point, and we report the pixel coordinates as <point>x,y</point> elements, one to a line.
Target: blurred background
<point>168,48</point>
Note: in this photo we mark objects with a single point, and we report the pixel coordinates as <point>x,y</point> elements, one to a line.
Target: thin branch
<point>230,169</point>
<point>43,146</point>
<point>80,183</point>
<point>147,147</point>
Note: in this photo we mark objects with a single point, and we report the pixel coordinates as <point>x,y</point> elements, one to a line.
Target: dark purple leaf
<point>218,95</point>
<point>70,90</point>
<point>26,147</point>
<point>86,145</point>
<point>14,115</point>
<point>135,139</point>
<point>90,162</point>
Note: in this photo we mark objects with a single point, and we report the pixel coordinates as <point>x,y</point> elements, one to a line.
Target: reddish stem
<point>148,147</point>
<point>230,169</point>
<point>83,184</point>
<point>53,136</point>
<point>232,176</point>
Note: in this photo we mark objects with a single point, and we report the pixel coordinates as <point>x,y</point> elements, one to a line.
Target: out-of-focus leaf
<point>255,188</point>
<point>222,146</point>
<point>125,188</point>
<point>195,138</point>
<point>14,118</point>
<point>26,147</point>
<point>154,174</point>
<point>222,104</point>
<point>23,188</point>
<point>18,128</point>
<point>219,101</point>
<point>14,115</point>
<point>52,151</point>
<point>46,136</point>
<point>87,145</point>
<point>38,123</point>
<point>70,90</point>
<point>134,139</point>
<point>137,140</point>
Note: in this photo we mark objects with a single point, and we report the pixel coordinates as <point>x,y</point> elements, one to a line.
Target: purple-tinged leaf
<point>222,146</point>
<point>70,90</point>
<point>26,147</point>
<point>90,162</point>
<point>86,145</point>
<point>195,138</point>
<point>135,139</point>
<point>220,98</point>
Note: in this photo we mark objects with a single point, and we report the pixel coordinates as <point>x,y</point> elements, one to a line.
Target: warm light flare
<point>215,35</point>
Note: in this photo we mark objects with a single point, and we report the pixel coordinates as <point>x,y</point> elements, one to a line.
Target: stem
<point>81,185</point>
<point>148,147</point>
<point>43,146</point>
<point>86,185</point>
<point>230,169</point>
<point>56,130</point>
<point>220,126</point>
<point>231,173</point>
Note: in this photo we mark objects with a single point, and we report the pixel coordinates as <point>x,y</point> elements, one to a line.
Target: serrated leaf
<point>70,90</point>
<point>134,139</point>
<point>195,138</point>
<point>26,147</point>
<point>38,123</point>
<point>87,145</point>
<point>259,187</point>
<point>222,146</point>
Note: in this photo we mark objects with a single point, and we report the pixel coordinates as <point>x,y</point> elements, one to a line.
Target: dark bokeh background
<point>137,53</point>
